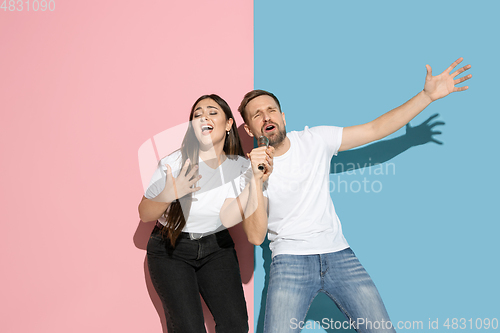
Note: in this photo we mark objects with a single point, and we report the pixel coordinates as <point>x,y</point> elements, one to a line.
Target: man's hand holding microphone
<point>262,159</point>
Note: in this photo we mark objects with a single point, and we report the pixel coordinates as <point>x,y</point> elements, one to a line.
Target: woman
<point>190,252</point>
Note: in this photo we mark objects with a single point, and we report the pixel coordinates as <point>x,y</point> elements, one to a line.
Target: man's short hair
<point>251,95</point>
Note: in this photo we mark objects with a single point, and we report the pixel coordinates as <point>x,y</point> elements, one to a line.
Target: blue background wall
<point>429,236</point>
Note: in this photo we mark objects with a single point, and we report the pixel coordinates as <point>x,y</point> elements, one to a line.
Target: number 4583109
<point>33,5</point>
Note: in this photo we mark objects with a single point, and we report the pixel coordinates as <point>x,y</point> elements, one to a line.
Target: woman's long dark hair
<point>177,212</point>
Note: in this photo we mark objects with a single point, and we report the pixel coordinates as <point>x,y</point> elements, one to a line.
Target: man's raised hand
<point>439,86</point>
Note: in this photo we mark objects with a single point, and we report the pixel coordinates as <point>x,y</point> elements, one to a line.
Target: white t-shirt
<point>302,218</point>
<point>216,186</point>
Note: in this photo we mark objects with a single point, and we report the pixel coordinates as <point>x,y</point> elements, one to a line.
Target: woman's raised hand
<point>176,188</point>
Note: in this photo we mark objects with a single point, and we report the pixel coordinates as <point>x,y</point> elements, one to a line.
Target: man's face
<point>265,119</point>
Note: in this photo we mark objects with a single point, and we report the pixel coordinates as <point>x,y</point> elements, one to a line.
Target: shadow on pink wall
<point>244,249</point>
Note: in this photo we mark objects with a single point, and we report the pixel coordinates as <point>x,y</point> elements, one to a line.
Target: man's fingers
<point>266,166</point>
<point>462,79</point>
<point>269,168</point>
<point>460,70</point>
<point>461,88</point>
<point>258,160</point>
<point>429,71</point>
<point>269,160</point>
<point>258,153</point>
<point>263,148</point>
<point>454,64</point>
<point>270,151</point>
<point>262,156</point>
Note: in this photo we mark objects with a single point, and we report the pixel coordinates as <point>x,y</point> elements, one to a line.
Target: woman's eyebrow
<point>208,107</point>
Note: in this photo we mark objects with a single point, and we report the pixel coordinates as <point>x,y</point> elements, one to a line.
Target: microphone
<point>261,142</point>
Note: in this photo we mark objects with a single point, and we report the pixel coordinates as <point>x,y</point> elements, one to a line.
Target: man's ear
<point>283,115</point>
<point>247,129</point>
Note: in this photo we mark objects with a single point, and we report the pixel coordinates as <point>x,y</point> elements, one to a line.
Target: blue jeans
<point>207,266</point>
<point>295,280</point>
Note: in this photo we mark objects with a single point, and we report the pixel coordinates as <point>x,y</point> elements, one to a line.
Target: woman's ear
<point>229,124</point>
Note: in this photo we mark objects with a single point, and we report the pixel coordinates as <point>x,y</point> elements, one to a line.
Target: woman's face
<point>209,123</point>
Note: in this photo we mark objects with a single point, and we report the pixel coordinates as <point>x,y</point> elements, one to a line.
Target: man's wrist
<point>257,181</point>
<point>426,97</point>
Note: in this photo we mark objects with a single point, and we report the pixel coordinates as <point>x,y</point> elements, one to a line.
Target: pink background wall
<point>81,89</point>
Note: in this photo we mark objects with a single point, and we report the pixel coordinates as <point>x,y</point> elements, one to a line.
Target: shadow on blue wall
<point>376,153</point>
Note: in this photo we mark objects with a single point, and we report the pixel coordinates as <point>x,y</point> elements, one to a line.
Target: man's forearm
<point>386,124</point>
<point>255,221</point>
<point>395,119</point>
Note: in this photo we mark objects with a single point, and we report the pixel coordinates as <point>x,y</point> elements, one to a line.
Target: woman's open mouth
<point>206,129</point>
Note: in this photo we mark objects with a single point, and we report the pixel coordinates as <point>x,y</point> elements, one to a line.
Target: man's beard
<point>278,138</point>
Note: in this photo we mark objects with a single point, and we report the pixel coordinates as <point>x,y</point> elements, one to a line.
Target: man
<point>310,253</point>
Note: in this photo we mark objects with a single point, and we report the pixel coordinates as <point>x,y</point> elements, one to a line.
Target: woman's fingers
<point>169,171</point>
<point>185,167</point>
<point>194,180</point>
<point>192,172</point>
<point>194,189</point>
<point>185,181</point>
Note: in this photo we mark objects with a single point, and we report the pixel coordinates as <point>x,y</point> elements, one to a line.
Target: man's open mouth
<point>269,128</point>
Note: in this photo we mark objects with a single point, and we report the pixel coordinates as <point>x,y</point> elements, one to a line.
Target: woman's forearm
<point>150,210</point>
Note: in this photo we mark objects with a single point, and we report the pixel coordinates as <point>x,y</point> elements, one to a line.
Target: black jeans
<point>209,267</point>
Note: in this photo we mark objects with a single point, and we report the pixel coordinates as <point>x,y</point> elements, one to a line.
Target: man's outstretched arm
<point>435,87</point>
